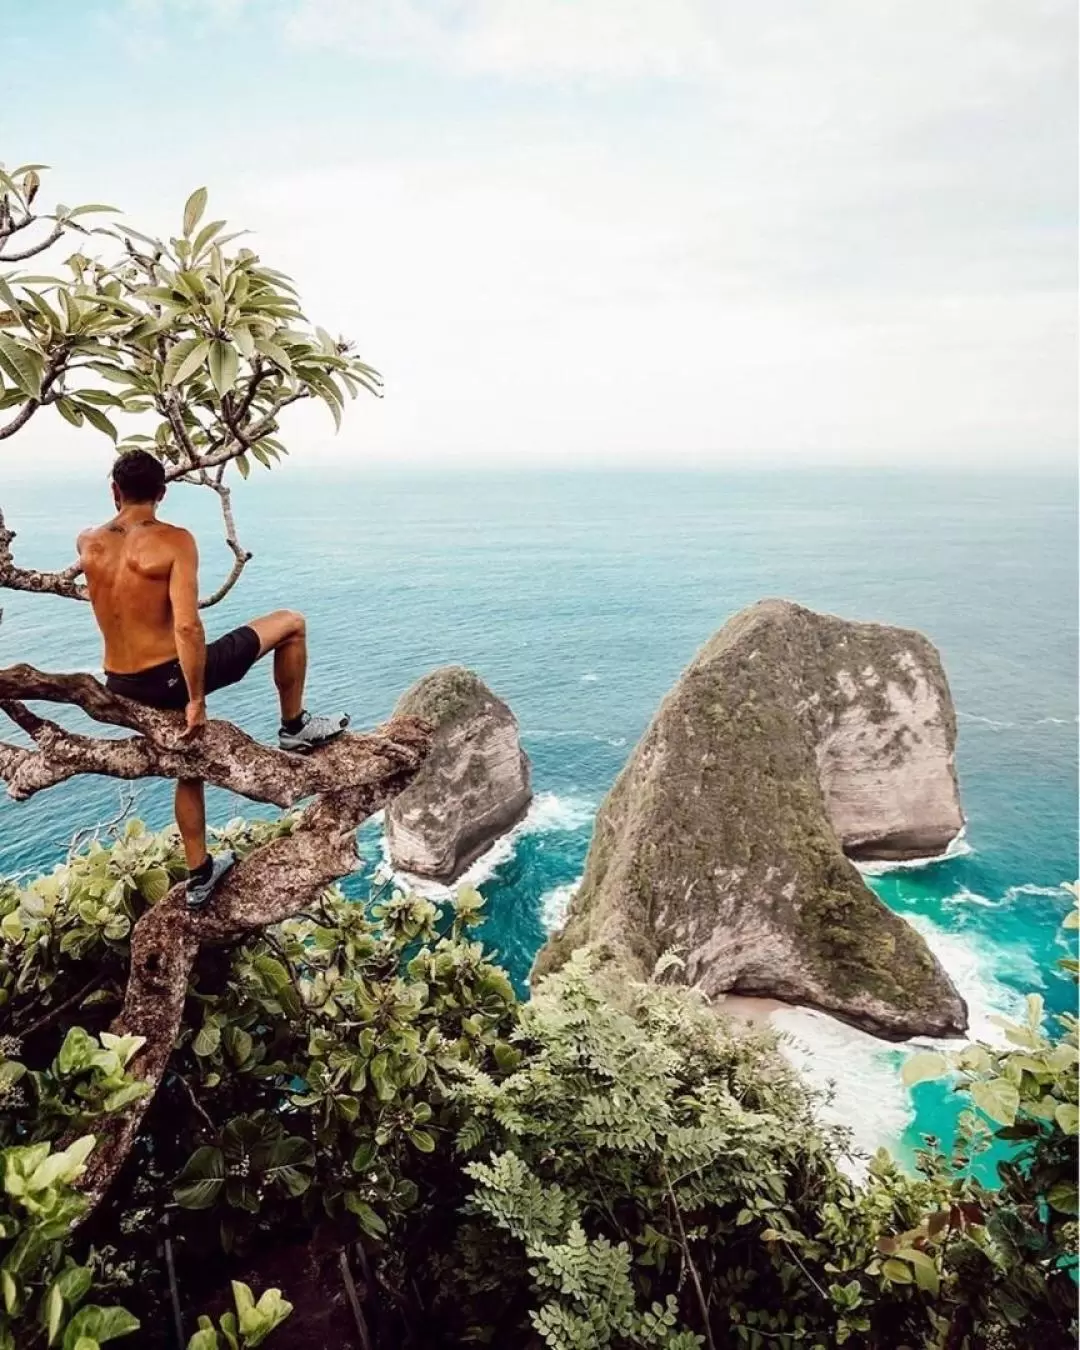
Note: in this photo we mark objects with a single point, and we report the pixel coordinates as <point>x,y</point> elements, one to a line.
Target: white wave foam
<point>965,897</point>
<point>548,814</point>
<point>1029,888</point>
<point>861,1072</point>
<point>958,848</point>
<point>555,904</point>
<point>990,722</point>
<point>974,966</point>
<point>590,678</point>
<point>864,1073</point>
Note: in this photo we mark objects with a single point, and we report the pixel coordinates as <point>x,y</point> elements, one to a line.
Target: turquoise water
<point>579,598</point>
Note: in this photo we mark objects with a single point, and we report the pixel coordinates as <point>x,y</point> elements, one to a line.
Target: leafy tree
<point>195,347</point>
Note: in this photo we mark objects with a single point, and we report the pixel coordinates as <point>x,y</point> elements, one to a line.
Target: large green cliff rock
<point>793,740</point>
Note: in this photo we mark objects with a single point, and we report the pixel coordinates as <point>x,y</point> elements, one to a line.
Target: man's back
<point>128,567</point>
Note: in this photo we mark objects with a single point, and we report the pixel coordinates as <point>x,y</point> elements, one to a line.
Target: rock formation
<point>794,741</point>
<point>474,785</point>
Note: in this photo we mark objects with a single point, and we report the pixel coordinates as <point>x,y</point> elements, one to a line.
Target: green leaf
<point>98,1324</point>
<point>53,1312</point>
<point>91,208</point>
<point>422,1140</point>
<point>69,412</point>
<point>370,1222</point>
<point>223,365</point>
<point>274,353</point>
<point>130,1092</point>
<point>205,235</point>
<point>23,366</point>
<point>193,209</point>
<point>926,1065</point>
<point>200,1182</point>
<point>1068,1117</point>
<point>1062,1196</point>
<point>8,296</point>
<point>998,1098</point>
<point>926,1272</point>
<point>897,1271</point>
<point>153,884</point>
<point>286,1158</point>
<point>97,419</point>
<point>184,359</point>
<point>207,1040</point>
<point>238,1045</point>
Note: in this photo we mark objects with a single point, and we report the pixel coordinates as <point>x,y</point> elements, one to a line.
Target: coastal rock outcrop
<point>793,742</point>
<point>474,785</point>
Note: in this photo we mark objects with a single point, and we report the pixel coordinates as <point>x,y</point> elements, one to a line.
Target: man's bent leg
<point>191,818</point>
<point>284,632</point>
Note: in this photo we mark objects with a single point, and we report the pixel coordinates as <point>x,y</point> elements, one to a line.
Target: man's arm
<point>187,626</point>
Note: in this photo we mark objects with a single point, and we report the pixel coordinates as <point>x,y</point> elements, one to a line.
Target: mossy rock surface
<point>792,737</point>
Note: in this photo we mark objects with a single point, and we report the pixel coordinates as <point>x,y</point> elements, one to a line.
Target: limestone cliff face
<point>793,741</point>
<point>474,785</point>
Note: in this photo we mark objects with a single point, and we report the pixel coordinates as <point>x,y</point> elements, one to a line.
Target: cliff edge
<point>793,742</point>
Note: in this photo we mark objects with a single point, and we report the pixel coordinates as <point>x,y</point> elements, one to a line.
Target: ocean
<point>579,597</point>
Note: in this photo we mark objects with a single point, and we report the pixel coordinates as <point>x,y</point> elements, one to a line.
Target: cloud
<point>611,39</point>
<point>658,229</point>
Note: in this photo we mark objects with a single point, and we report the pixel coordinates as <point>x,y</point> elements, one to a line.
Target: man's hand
<point>195,713</point>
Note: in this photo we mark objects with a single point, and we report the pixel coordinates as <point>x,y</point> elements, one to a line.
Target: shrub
<point>599,1167</point>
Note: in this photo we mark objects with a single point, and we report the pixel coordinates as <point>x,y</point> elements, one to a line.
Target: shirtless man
<point>142,575</point>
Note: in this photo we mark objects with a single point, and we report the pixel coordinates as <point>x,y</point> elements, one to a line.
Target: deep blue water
<point>580,597</point>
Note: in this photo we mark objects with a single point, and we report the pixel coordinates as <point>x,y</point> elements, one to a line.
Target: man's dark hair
<point>139,477</point>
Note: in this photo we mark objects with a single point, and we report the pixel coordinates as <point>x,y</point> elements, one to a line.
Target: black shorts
<point>228,659</point>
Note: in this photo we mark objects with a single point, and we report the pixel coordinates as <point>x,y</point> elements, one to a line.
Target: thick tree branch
<point>350,780</point>
<point>223,754</point>
<point>20,419</point>
<point>271,884</point>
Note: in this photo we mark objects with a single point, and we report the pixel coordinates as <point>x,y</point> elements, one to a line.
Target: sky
<point>612,232</point>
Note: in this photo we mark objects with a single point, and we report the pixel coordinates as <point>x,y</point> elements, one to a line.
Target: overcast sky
<point>613,231</point>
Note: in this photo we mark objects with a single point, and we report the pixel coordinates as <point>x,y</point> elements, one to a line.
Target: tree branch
<point>231,447</point>
<point>15,578</point>
<point>349,779</point>
<point>270,884</point>
<point>241,556</point>
<point>223,754</point>
<point>35,249</point>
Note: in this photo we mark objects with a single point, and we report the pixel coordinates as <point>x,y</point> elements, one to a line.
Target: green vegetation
<point>589,1169</point>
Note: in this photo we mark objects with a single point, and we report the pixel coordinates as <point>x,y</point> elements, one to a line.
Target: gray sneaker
<point>199,892</point>
<point>314,731</point>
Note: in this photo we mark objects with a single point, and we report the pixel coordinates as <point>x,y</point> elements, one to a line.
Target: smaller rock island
<point>474,786</point>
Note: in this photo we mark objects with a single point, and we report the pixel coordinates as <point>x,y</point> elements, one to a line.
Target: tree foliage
<point>594,1168</point>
